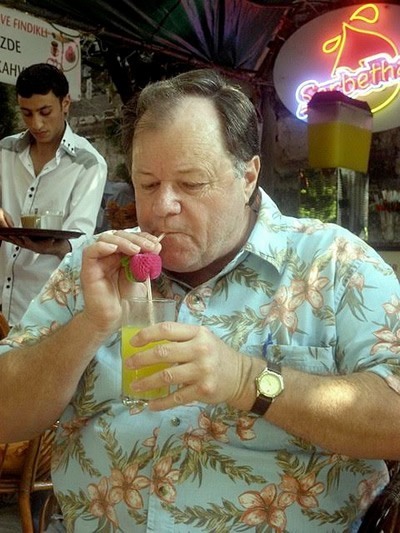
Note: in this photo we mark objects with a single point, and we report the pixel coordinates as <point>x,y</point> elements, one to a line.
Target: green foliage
<point>7,110</point>
<point>318,195</point>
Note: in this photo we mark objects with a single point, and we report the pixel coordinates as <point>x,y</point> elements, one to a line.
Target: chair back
<point>4,327</point>
<point>384,513</point>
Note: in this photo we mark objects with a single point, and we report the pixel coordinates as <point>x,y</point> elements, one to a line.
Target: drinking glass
<point>52,220</point>
<point>138,313</point>
<point>30,220</point>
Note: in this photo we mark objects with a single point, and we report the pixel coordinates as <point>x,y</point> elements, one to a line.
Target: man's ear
<point>65,103</point>
<point>251,176</point>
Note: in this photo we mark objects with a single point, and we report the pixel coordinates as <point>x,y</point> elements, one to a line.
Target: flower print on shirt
<point>101,503</point>
<point>262,508</point>
<point>126,485</point>
<point>309,289</point>
<point>61,285</point>
<point>281,311</point>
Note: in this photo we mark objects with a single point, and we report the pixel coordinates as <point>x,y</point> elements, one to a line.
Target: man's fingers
<point>100,249</point>
<point>132,243</point>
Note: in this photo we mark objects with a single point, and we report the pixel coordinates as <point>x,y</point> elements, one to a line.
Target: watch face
<point>270,384</point>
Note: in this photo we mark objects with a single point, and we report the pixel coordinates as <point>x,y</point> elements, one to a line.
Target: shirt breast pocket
<point>311,359</point>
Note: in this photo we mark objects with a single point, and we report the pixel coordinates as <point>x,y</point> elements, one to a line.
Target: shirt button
<point>175,421</point>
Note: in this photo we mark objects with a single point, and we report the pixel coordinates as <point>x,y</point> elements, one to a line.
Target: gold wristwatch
<point>269,385</point>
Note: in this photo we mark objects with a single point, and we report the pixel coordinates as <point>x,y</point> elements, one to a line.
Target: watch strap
<point>262,403</point>
<point>274,367</point>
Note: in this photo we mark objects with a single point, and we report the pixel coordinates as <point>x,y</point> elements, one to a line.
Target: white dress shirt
<point>72,182</point>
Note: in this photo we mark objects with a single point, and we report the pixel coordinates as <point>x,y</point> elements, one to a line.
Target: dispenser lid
<point>334,97</point>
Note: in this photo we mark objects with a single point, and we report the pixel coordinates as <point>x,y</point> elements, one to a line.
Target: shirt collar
<point>272,235</point>
<point>67,142</point>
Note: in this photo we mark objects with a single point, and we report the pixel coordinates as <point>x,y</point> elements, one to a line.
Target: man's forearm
<point>355,415</point>
<point>37,382</point>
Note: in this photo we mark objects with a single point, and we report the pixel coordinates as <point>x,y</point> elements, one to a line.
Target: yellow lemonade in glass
<point>138,313</point>
<point>128,374</point>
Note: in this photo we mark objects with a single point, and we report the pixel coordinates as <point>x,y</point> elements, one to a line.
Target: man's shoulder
<point>83,144</point>
<point>11,142</point>
<point>85,149</point>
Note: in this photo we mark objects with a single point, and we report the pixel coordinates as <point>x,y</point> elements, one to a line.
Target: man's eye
<point>45,112</point>
<point>148,186</point>
<point>191,186</point>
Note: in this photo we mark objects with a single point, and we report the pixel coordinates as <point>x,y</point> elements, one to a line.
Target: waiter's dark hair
<point>42,78</point>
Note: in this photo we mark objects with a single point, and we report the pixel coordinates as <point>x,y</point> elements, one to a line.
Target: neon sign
<point>361,59</point>
<point>377,73</point>
<point>374,73</point>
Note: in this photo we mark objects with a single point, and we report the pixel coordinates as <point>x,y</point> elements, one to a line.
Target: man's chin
<point>175,268</point>
<point>178,264</point>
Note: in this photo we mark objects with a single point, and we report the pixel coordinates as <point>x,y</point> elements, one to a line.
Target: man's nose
<point>167,202</point>
<point>36,122</point>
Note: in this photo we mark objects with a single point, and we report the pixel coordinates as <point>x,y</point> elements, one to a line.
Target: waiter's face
<point>44,116</point>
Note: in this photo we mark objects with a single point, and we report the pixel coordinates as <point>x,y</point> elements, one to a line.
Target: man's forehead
<point>187,108</point>
<point>38,100</point>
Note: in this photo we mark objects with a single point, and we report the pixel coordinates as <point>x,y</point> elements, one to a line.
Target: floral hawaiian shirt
<point>330,305</point>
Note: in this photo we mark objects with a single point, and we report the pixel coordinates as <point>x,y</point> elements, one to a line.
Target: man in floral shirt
<point>257,293</point>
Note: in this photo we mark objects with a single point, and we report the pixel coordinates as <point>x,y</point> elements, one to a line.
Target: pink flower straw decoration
<point>145,265</point>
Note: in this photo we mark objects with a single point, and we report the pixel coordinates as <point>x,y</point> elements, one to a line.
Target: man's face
<point>185,186</point>
<point>44,116</point>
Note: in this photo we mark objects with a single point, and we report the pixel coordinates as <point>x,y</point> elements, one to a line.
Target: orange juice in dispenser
<point>339,131</point>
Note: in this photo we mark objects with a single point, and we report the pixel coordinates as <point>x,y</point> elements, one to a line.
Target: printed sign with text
<point>25,40</point>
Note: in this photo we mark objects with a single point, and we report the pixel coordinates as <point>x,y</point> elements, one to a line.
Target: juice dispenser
<point>339,131</point>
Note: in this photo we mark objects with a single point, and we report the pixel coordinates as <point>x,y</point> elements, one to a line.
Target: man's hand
<point>203,367</point>
<point>103,278</point>
<point>58,247</point>
<point>6,220</point>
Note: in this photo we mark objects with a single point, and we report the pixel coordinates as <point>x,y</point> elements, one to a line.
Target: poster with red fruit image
<point>354,50</point>
<point>25,40</point>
